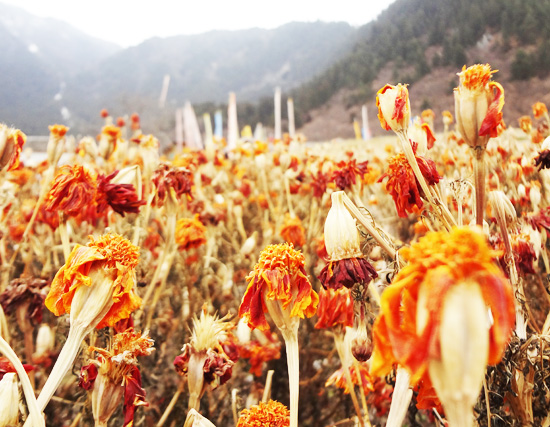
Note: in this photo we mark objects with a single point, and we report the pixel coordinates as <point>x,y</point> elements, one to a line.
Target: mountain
<point>204,68</point>
<point>38,56</point>
<point>425,43</point>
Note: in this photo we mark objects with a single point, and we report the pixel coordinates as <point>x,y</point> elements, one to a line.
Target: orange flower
<point>357,370</point>
<point>335,308</point>
<point>261,351</point>
<point>190,233</point>
<point>270,414</point>
<point>539,110</point>
<point>349,173</point>
<point>408,331</point>
<point>73,189</point>
<point>278,277</point>
<point>111,256</point>
<point>11,144</point>
<point>403,185</point>
<point>293,231</point>
<point>525,124</point>
<point>447,117</point>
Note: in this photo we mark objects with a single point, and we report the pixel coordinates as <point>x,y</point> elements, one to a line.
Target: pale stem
<point>401,398</point>
<point>267,389</point>
<point>339,344</point>
<point>160,289</point>
<point>288,198</point>
<point>263,177</point>
<point>362,391</point>
<point>35,418</point>
<point>234,404</point>
<point>64,234</point>
<point>137,229</point>
<point>293,357</point>
<point>64,362</point>
<point>479,181</point>
<point>487,403</point>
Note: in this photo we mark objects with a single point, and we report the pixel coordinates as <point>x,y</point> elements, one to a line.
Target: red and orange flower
<point>279,276</point>
<point>190,233</point>
<point>73,189</point>
<point>11,144</point>
<point>265,414</point>
<point>293,231</point>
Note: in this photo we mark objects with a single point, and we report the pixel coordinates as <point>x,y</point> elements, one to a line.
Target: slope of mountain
<point>206,67</point>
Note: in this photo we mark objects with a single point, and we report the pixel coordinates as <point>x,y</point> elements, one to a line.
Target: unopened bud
<point>9,400</point>
<point>341,235</point>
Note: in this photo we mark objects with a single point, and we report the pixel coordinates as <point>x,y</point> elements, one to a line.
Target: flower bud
<point>341,235</point>
<point>9,400</point>
<point>458,374</point>
<point>394,108</point>
<point>11,144</point>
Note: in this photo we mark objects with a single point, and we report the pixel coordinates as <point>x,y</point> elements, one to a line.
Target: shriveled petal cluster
<point>190,233</point>
<point>347,272</point>
<point>403,185</point>
<point>335,309</point>
<point>73,189</point>
<point>293,231</point>
<point>112,254</point>
<point>122,198</point>
<point>280,276</point>
<point>258,353</point>
<point>28,292</point>
<point>348,173</point>
<point>539,109</point>
<point>167,178</point>
<point>265,414</point>
<point>438,263</point>
<point>359,376</point>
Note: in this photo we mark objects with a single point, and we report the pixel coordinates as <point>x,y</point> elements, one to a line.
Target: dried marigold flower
<point>360,376</point>
<point>279,278</point>
<point>265,414</point>
<point>539,110</point>
<point>56,143</point>
<point>403,185</point>
<point>394,108</point>
<point>204,360</point>
<point>478,105</point>
<point>109,263</point>
<point>335,309</point>
<point>434,316</point>
<point>349,173</point>
<point>542,160</point>
<point>108,140</point>
<point>190,233</point>
<point>11,144</point>
<point>27,293</point>
<point>447,118</point>
<point>260,351</point>
<point>525,124</point>
<point>293,231</point>
<point>73,188</point>
<point>346,264</point>
<point>122,198</point>
<point>117,376</point>
<point>172,181</point>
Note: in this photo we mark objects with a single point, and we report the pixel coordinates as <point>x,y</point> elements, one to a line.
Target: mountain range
<point>50,72</point>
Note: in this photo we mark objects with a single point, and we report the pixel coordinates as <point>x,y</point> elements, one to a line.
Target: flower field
<point>401,280</point>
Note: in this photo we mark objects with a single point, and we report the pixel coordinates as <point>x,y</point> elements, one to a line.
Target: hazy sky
<point>129,22</point>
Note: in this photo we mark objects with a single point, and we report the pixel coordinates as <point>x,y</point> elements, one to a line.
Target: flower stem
<point>171,405</point>
<point>339,344</point>
<point>479,181</point>
<point>62,365</point>
<point>35,418</point>
<point>402,395</point>
<point>293,361</point>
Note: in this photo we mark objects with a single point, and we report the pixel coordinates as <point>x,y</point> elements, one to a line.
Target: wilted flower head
<point>108,140</point>
<point>56,143</point>
<point>293,231</point>
<point>117,376</point>
<point>27,293</point>
<point>447,118</point>
<point>525,124</point>
<point>72,190</point>
<point>171,182</point>
<point>105,267</point>
<point>265,414</point>
<point>11,144</point>
<point>204,359</point>
<point>122,198</point>
<point>394,108</point>
<point>279,278</point>
<point>346,264</point>
<point>335,309</point>
<point>539,110</point>
<point>190,233</point>
<point>478,105</point>
<point>403,185</point>
<point>348,173</point>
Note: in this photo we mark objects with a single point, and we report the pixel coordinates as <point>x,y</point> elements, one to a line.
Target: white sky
<point>129,22</point>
